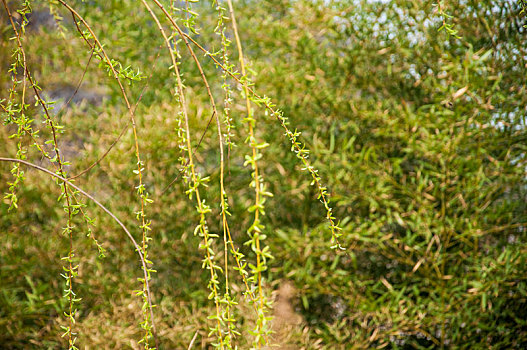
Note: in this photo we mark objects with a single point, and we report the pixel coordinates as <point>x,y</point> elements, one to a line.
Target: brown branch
<point>78,85</point>
<point>193,152</point>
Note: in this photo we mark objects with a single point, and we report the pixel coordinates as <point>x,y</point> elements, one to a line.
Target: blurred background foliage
<point>419,135</point>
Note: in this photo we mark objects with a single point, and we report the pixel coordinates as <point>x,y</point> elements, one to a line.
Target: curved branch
<point>137,247</point>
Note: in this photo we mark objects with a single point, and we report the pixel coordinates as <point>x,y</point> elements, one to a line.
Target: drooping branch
<point>99,204</point>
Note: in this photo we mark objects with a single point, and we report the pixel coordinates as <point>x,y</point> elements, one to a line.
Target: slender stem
<point>49,121</point>
<point>144,224</point>
<point>191,162</point>
<point>293,136</point>
<point>90,197</point>
<point>251,123</point>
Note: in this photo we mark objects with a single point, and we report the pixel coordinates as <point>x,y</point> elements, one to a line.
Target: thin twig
<point>193,152</point>
<point>78,85</point>
<point>85,194</point>
<point>105,57</point>
<point>193,340</point>
<point>125,128</point>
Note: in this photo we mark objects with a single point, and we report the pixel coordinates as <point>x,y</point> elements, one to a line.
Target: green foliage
<point>413,113</point>
<point>423,137</point>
